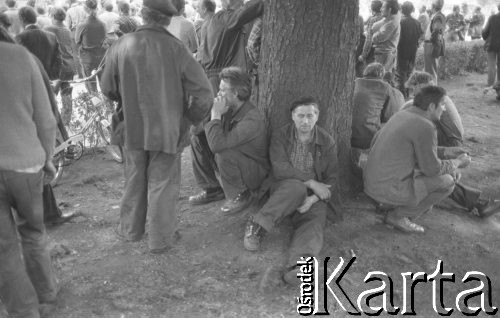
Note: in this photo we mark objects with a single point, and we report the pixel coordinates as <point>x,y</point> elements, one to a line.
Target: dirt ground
<point>209,274</point>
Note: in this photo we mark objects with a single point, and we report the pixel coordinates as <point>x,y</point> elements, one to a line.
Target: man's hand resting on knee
<point>308,202</point>
<point>320,189</point>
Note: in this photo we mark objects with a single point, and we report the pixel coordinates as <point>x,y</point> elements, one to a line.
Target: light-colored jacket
<point>404,149</point>
<point>386,34</point>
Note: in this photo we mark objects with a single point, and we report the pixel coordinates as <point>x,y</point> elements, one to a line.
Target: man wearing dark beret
<point>161,90</point>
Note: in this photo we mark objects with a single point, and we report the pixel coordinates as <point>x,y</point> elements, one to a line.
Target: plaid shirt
<point>369,35</point>
<point>301,156</point>
<point>254,40</point>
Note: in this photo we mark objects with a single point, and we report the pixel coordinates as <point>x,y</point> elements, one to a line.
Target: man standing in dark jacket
<point>409,41</point>
<point>89,38</point>
<point>224,42</point>
<point>163,91</point>
<point>491,34</point>
<point>42,44</point>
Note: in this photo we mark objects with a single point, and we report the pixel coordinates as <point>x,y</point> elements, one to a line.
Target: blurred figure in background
<point>65,45</point>
<point>367,55</point>
<point>90,36</point>
<point>456,25</point>
<point>182,28</point>
<point>476,24</point>
<point>13,14</point>
<point>491,36</point>
<point>411,34</point>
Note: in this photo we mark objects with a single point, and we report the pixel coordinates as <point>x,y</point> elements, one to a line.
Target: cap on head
<point>162,6</point>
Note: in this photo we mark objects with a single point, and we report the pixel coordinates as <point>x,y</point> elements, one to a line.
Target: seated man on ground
<point>239,143</point>
<point>303,158</point>
<point>375,101</point>
<point>450,130</point>
<point>403,169</point>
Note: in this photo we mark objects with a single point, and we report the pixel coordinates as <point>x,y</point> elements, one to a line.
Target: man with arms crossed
<point>303,158</point>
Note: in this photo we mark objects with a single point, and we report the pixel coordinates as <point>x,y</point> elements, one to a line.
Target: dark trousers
<point>152,182</point>
<point>28,279</point>
<point>286,197</point>
<point>90,62</point>
<point>465,196</point>
<point>239,173</point>
<point>405,67</point>
<point>203,160</point>
<point>493,67</point>
<point>50,209</point>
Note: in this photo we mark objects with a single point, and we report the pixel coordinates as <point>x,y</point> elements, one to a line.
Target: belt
<point>428,41</point>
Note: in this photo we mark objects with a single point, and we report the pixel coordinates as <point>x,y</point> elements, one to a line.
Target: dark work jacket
<point>324,156</point>
<point>223,43</point>
<point>491,34</point>
<point>154,91</point>
<point>44,46</point>
<point>245,133</point>
<point>408,40</point>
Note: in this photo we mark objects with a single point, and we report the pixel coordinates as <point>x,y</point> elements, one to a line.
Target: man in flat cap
<point>161,90</point>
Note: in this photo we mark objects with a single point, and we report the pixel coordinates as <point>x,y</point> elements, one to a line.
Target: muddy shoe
<point>65,217</point>
<point>290,277</point>
<point>207,196</point>
<point>253,234</point>
<point>488,208</point>
<point>404,225</point>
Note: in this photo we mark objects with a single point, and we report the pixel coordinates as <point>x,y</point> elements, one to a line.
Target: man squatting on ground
<point>404,171</point>
<point>222,45</point>
<point>450,132</point>
<point>157,116</point>
<point>303,158</point>
<point>239,142</point>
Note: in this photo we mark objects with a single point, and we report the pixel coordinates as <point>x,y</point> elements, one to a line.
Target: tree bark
<point>308,48</point>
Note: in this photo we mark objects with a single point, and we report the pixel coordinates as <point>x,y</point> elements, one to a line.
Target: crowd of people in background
<point>179,80</point>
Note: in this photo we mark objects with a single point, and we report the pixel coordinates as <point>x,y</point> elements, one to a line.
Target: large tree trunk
<point>308,48</point>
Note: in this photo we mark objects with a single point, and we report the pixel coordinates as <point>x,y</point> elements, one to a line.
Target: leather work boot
<point>404,225</point>
<point>207,196</point>
<point>253,234</point>
<point>241,202</point>
<point>488,207</point>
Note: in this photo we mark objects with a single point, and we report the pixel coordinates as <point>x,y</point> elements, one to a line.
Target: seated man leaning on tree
<point>303,158</point>
<point>403,168</point>
<point>239,144</point>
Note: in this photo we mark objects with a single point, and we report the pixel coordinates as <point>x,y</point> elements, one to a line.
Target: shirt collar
<point>31,27</point>
<point>242,111</point>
